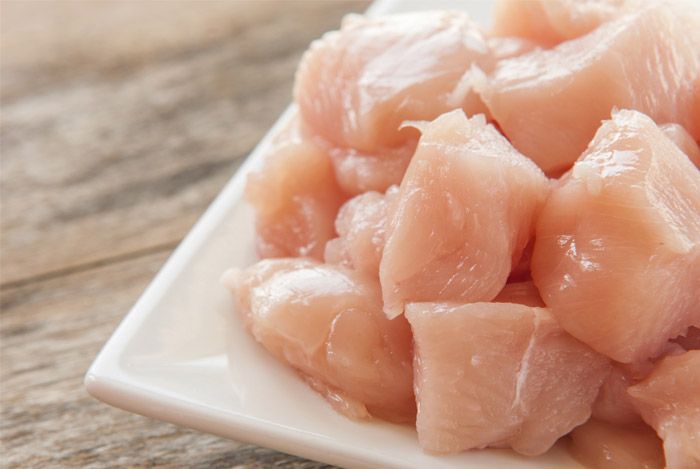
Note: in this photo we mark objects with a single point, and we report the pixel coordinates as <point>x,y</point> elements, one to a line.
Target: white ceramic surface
<point>176,357</point>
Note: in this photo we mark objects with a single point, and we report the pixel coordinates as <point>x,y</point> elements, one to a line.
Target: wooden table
<point>120,123</point>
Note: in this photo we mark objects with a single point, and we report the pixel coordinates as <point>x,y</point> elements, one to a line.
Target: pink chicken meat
<point>355,88</point>
<point>327,323</point>
<point>669,401</point>
<point>618,242</point>
<point>295,196</point>
<point>548,22</point>
<point>361,226</point>
<point>499,375</point>
<point>604,445</point>
<point>684,141</point>
<point>549,103</point>
<point>464,213</point>
<point>613,404</point>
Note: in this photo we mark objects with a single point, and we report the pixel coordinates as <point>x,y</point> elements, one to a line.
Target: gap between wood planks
<point>73,269</point>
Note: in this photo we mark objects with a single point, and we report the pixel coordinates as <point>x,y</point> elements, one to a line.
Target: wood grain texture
<point>130,148</point>
<point>120,122</point>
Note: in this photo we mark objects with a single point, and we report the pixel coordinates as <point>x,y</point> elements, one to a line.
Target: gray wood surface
<point>120,122</point>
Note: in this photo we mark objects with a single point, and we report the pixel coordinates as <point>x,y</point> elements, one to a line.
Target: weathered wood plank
<point>117,132</point>
<point>51,331</point>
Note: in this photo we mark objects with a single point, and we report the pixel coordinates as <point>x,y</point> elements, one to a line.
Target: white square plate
<point>176,357</point>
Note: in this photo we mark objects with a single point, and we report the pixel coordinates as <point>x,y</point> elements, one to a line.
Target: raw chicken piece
<point>295,197</point>
<point>327,323</point>
<point>243,284</point>
<point>617,256</point>
<point>522,293</point>
<point>550,22</point>
<point>509,47</point>
<point>359,172</point>
<point>684,141</point>
<point>361,226</point>
<point>357,86</point>
<point>669,401</point>
<point>498,374</point>
<point>613,404</point>
<point>549,103</point>
<point>465,210</point>
<point>603,445</point>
